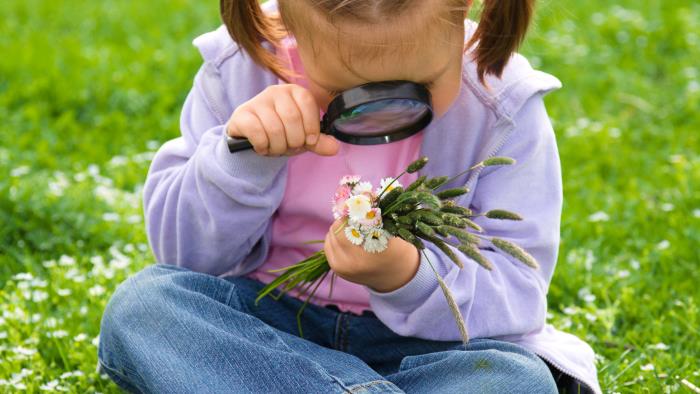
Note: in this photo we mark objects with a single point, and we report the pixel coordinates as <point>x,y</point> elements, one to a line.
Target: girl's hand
<point>383,272</point>
<point>282,120</point>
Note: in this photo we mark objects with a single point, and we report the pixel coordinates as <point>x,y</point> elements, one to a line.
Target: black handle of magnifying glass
<point>239,144</point>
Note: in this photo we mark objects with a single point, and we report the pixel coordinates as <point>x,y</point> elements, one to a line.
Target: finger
<point>289,114</point>
<point>326,146</point>
<point>246,124</point>
<point>310,114</point>
<point>274,128</point>
<point>328,248</point>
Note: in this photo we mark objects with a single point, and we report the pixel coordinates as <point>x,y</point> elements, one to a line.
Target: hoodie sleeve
<point>510,299</point>
<point>207,209</point>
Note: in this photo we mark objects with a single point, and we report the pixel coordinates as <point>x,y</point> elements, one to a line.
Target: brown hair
<point>502,27</point>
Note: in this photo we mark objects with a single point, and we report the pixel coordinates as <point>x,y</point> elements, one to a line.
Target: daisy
<point>377,242</point>
<point>341,196</point>
<point>358,206</point>
<point>363,187</point>
<point>353,235</point>
<point>385,184</point>
<point>373,218</point>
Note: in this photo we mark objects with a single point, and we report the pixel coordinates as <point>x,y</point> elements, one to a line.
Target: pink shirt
<point>305,212</point>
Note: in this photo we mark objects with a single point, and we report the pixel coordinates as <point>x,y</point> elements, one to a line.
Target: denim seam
<point>336,334</point>
<point>120,379</point>
<point>230,296</point>
<point>359,386</point>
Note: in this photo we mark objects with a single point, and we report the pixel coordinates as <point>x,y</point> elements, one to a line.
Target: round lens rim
<point>376,91</point>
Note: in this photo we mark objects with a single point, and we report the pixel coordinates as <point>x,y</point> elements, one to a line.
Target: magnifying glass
<point>371,114</point>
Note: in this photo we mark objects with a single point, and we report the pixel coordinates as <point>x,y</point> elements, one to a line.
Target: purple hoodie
<point>210,211</point>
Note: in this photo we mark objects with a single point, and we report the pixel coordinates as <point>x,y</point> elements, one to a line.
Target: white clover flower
<point>660,346</point>
<point>23,276</point>
<point>63,292</point>
<point>110,217</point>
<point>599,216</point>
<point>65,261</point>
<point>58,334</point>
<point>358,206</point>
<point>353,235</point>
<point>20,171</point>
<point>39,295</point>
<point>663,245</point>
<point>49,263</point>
<point>80,337</point>
<point>49,386</point>
<point>96,291</point>
<point>23,351</point>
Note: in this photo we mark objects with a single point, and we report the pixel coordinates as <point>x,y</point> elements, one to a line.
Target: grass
<point>89,92</point>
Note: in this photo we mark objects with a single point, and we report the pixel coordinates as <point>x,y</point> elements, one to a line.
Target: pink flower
<point>342,193</point>
<point>350,180</point>
<point>373,218</point>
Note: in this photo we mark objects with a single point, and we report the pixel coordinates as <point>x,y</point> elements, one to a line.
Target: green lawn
<point>88,91</point>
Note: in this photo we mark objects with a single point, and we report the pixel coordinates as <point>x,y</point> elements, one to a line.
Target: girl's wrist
<point>404,272</point>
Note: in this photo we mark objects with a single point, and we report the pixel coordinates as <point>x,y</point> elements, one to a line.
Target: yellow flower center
<point>355,233</point>
<point>370,215</point>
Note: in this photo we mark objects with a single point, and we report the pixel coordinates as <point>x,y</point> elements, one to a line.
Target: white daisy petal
<point>377,242</point>
<point>387,184</point>
<point>358,206</point>
<point>353,235</point>
<point>362,187</point>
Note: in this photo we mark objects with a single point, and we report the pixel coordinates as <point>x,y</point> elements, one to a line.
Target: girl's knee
<point>522,370</point>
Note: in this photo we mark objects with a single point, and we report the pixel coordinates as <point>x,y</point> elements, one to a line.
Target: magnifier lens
<point>380,117</point>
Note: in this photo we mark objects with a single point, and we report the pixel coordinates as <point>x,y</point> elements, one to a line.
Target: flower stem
<point>301,334</point>
<point>390,183</point>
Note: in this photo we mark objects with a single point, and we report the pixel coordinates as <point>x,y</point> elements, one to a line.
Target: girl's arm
<point>511,299</point>
<point>207,209</point>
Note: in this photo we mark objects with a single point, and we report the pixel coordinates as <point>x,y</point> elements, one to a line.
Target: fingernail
<point>311,139</point>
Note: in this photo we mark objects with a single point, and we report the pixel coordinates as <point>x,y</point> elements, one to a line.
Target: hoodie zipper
<point>502,142</point>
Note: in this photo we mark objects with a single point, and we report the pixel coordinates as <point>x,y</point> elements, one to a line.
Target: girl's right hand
<point>282,120</point>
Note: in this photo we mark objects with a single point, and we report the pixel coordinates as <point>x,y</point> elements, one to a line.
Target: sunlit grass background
<point>88,91</point>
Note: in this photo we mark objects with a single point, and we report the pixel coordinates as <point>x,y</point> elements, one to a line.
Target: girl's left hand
<point>383,272</point>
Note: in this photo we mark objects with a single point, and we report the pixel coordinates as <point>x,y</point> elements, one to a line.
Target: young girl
<point>217,221</point>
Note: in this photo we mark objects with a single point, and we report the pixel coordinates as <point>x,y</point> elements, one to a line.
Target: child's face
<point>433,62</point>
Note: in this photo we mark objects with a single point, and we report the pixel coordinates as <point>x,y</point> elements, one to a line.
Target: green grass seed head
<point>417,165</point>
<point>515,251</point>
<point>425,229</point>
<point>497,161</point>
<point>473,225</point>
<point>473,252</point>
<point>454,309</point>
<point>451,193</point>
<point>502,214</point>
<point>418,182</point>
<point>434,183</point>
<point>461,235</point>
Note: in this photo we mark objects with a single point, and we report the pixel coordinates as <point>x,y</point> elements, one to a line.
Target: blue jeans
<point>171,330</point>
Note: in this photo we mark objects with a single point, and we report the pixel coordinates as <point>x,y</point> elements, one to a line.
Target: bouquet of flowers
<point>417,214</point>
